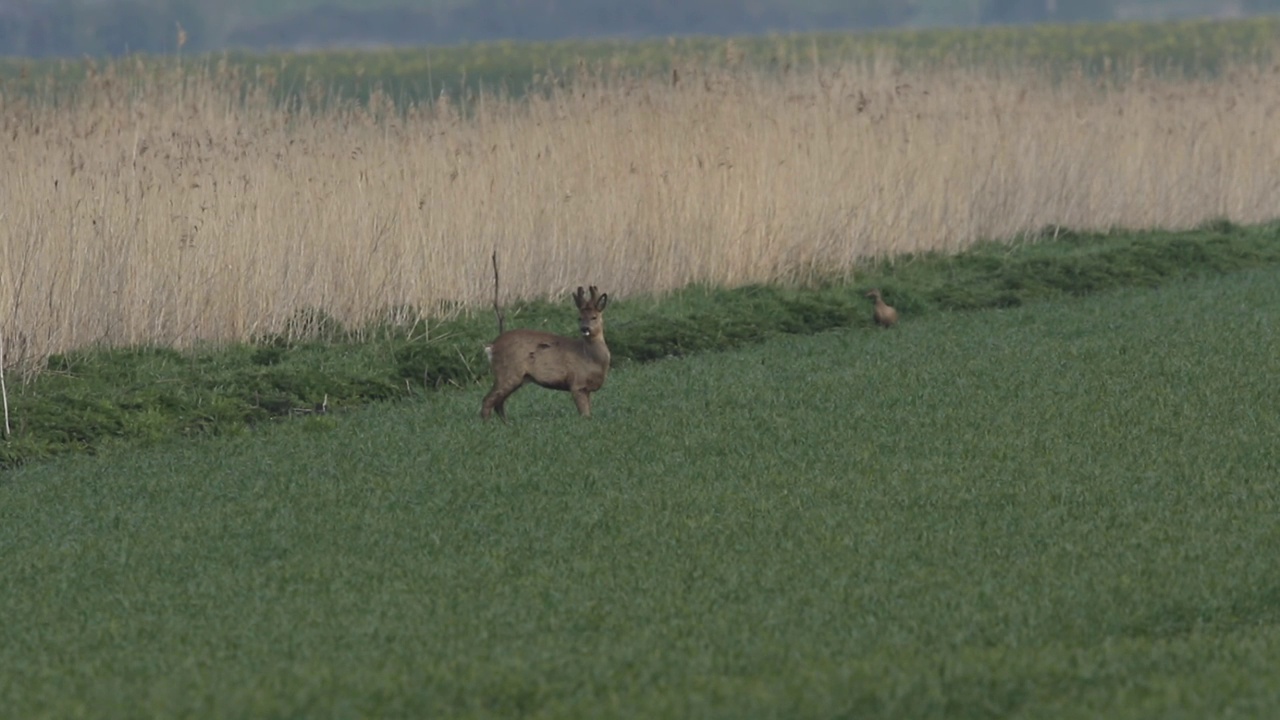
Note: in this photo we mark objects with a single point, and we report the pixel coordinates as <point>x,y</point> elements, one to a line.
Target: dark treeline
<point>43,28</point>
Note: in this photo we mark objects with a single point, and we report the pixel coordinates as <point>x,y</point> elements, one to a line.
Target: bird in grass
<point>883,315</point>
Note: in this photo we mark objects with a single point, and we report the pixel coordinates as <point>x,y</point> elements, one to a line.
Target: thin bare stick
<point>497,308</point>
<point>4,391</point>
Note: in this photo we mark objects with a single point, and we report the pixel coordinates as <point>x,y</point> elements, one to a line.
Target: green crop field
<point>1063,509</point>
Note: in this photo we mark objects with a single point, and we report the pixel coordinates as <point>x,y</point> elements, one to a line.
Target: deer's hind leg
<point>497,399</point>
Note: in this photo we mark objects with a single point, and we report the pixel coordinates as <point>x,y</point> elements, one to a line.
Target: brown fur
<point>578,365</point>
<point>883,315</point>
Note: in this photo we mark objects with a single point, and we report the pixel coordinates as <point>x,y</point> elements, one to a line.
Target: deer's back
<point>550,360</point>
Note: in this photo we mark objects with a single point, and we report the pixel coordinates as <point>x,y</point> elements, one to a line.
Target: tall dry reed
<point>170,211</point>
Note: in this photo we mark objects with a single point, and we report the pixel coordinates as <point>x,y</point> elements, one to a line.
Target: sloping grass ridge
<point>99,396</point>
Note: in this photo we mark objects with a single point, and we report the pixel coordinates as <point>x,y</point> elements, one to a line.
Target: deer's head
<point>590,320</point>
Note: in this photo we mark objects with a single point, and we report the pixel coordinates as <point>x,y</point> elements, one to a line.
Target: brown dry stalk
<point>4,391</point>
<point>149,211</point>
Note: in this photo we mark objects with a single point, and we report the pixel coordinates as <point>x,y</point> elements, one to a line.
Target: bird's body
<point>883,315</point>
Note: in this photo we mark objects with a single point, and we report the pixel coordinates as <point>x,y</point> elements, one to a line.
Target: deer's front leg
<point>582,399</point>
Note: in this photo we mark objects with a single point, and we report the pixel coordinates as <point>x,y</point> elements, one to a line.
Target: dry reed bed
<point>169,212</point>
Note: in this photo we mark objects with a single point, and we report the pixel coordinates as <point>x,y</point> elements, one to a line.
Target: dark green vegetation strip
<point>1060,510</point>
<point>1197,48</point>
<point>86,399</point>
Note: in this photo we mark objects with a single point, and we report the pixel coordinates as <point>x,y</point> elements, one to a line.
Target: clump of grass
<point>87,398</point>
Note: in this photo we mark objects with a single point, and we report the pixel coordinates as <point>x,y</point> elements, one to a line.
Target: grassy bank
<point>89,399</point>
<point>1055,510</point>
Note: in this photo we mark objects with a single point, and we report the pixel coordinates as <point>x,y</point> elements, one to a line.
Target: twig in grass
<point>320,408</point>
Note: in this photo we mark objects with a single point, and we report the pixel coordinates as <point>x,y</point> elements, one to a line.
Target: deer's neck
<point>596,349</point>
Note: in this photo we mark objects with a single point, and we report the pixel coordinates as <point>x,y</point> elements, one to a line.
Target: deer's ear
<point>602,301</point>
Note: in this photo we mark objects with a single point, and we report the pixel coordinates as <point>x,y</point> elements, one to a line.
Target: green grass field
<point>1063,509</point>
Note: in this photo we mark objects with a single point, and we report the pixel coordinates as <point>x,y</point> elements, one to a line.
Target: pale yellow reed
<point>158,212</point>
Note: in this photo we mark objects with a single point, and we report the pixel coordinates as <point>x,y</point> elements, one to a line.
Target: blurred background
<point>45,28</point>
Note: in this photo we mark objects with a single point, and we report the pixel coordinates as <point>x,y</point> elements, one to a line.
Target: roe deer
<point>578,365</point>
<point>883,315</point>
